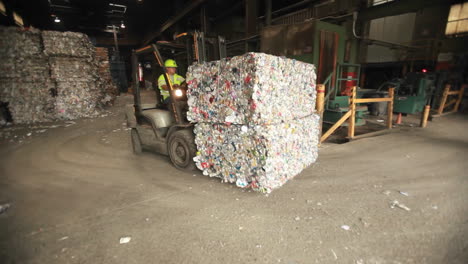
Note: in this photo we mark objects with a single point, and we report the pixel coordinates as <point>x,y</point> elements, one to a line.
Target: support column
<point>319,105</point>
<point>425,116</point>
<point>391,94</point>
<point>352,118</point>
<point>251,14</point>
<point>267,12</point>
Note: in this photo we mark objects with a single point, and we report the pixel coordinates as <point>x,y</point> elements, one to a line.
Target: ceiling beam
<point>171,21</point>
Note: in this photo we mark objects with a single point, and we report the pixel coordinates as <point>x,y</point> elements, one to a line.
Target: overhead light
<point>122,25</point>
<point>57,20</point>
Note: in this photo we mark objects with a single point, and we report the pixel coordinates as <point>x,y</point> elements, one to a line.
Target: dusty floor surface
<point>76,189</point>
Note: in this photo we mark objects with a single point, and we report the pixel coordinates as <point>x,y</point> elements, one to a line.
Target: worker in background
<point>176,80</point>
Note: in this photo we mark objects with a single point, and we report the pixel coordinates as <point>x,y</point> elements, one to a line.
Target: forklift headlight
<point>178,92</point>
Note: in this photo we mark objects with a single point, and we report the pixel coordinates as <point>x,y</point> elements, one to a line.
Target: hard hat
<point>170,64</point>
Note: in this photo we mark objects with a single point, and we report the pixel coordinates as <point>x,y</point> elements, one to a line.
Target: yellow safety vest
<point>175,79</point>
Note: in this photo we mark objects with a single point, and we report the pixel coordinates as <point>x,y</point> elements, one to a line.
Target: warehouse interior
<point>236,131</point>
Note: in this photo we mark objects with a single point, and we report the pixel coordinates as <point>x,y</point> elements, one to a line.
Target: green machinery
<point>412,93</point>
<point>337,97</point>
<point>331,49</point>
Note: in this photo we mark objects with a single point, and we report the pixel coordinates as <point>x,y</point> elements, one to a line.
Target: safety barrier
<point>456,101</point>
<point>350,116</point>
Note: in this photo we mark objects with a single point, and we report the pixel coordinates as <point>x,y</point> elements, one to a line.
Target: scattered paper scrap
<point>395,203</point>
<point>125,240</point>
<point>4,207</point>
<point>404,193</point>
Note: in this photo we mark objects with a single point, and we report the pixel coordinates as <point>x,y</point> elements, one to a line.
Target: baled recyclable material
<point>65,69</point>
<point>263,157</point>
<point>252,88</point>
<point>109,89</point>
<point>256,122</point>
<point>75,100</point>
<point>16,42</point>
<point>28,101</point>
<point>52,75</point>
<point>67,44</point>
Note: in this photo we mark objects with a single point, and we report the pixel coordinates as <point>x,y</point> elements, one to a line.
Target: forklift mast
<point>216,45</point>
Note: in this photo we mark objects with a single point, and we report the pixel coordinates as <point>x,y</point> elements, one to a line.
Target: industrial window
<point>457,22</point>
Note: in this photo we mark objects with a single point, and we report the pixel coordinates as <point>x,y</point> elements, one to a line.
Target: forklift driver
<point>177,80</point>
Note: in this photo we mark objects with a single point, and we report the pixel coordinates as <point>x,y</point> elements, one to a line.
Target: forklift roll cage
<point>167,131</point>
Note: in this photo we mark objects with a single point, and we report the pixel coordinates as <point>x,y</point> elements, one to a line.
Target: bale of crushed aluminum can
<point>67,44</point>
<point>263,157</point>
<point>252,88</point>
<point>109,89</point>
<point>28,101</point>
<point>76,99</point>
<point>65,69</point>
<point>52,75</point>
<point>257,125</point>
<point>16,42</point>
<point>34,69</point>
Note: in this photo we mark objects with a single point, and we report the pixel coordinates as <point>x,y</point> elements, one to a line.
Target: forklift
<point>165,129</point>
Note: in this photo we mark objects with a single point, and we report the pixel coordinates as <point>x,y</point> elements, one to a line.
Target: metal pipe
<point>375,41</point>
<point>116,43</point>
<point>136,88</point>
<point>203,21</point>
<point>244,39</point>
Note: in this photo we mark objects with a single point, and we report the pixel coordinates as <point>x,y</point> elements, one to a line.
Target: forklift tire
<point>136,142</point>
<point>182,149</point>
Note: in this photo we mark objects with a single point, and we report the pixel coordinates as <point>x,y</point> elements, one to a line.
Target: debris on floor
<point>345,227</point>
<point>124,240</point>
<point>386,192</point>
<point>4,207</point>
<point>404,193</point>
<point>334,254</point>
<point>364,222</point>
<point>395,203</point>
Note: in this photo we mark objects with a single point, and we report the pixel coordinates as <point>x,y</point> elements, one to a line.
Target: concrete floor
<point>77,188</point>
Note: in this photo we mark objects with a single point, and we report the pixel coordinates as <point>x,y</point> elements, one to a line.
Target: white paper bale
<point>263,157</point>
<point>252,88</point>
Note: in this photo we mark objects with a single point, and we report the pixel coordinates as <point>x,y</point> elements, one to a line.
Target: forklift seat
<point>160,120</point>
<point>148,106</point>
